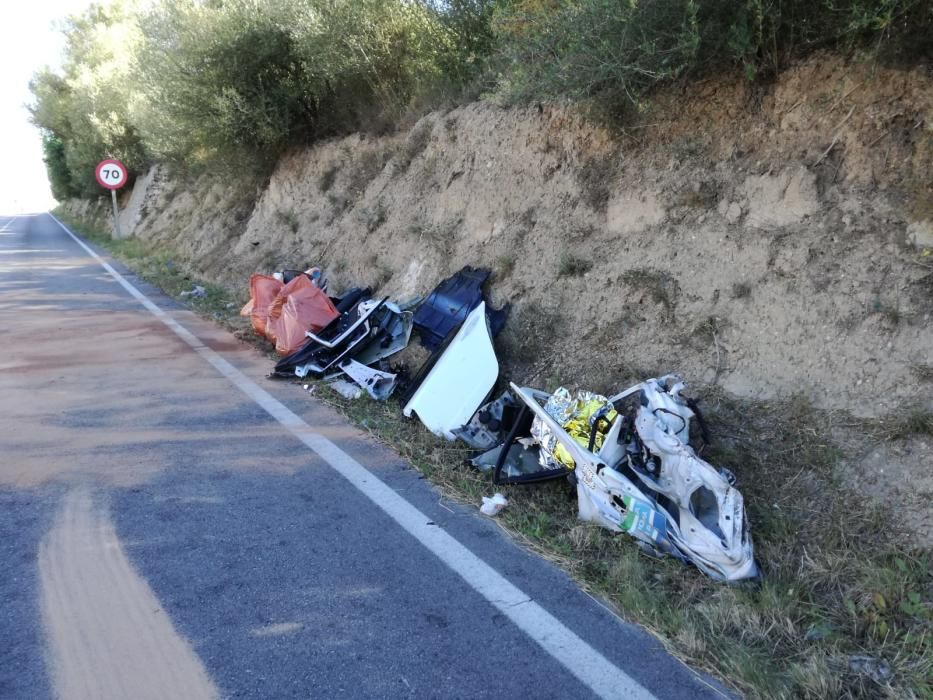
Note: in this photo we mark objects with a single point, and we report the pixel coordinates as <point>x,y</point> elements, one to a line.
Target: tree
<point>86,108</point>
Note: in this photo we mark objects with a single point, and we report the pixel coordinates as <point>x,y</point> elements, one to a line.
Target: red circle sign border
<point>108,185</point>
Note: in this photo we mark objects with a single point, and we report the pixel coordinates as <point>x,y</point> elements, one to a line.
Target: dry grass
<point>595,178</point>
<point>417,141</point>
<point>379,273</point>
<point>158,268</point>
<point>839,579</point>
<point>365,169</point>
<point>289,220</point>
<point>741,290</point>
<point>505,264</point>
<point>442,236</point>
<point>661,287</point>
<point>328,178</point>
<point>923,372</point>
<point>375,216</point>
<point>527,337</point>
<point>573,266</point>
<point>908,421</point>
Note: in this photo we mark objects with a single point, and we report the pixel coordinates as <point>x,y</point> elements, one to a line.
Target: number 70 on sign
<point>111,174</point>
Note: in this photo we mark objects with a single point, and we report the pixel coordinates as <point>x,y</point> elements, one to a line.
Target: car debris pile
<point>630,459</point>
<point>628,455</point>
<point>350,338</point>
<point>635,471</point>
<point>284,306</point>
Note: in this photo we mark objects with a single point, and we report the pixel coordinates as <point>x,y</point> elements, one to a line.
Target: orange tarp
<point>285,312</point>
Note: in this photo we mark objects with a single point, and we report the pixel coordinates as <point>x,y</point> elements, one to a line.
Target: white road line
<point>590,667</point>
<point>110,638</point>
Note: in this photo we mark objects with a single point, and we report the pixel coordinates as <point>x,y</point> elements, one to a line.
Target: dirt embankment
<point>765,239</point>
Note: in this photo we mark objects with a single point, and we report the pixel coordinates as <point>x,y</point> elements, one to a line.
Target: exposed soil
<point>770,240</point>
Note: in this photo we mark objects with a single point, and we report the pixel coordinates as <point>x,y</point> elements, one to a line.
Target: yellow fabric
<point>578,427</point>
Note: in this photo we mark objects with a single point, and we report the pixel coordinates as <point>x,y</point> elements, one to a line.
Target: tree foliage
<point>85,107</point>
<point>53,150</point>
<point>208,81</point>
<point>620,49</point>
<point>218,77</point>
<point>372,57</point>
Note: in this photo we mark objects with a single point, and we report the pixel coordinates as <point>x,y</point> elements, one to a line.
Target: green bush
<point>220,78</point>
<point>581,49</point>
<point>240,81</point>
<point>85,107</point>
<point>619,49</point>
<point>372,58</point>
<point>56,164</point>
<point>469,22</point>
<point>765,35</point>
<point>257,77</point>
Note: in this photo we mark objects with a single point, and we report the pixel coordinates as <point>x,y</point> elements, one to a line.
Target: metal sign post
<point>112,175</point>
<point>116,218</point>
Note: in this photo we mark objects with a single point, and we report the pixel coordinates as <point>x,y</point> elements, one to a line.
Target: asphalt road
<point>169,530</point>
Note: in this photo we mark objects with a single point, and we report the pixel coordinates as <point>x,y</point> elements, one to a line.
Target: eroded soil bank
<point>771,241</point>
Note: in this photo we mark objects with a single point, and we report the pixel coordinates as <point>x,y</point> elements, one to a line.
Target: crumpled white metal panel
<point>462,378</point>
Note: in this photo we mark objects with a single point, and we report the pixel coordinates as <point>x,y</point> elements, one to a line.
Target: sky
<point>30,41</point>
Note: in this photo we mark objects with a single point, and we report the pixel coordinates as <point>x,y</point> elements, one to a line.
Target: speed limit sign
<point>111,174</point>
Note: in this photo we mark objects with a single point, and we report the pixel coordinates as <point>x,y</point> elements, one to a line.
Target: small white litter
<point>197,293</point>
<point>492,506</point>
<point>347,390</point>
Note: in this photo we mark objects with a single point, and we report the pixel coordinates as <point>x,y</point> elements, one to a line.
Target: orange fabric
<point>285,312</point>
<point>263,290</point>
<point>307,309</point>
